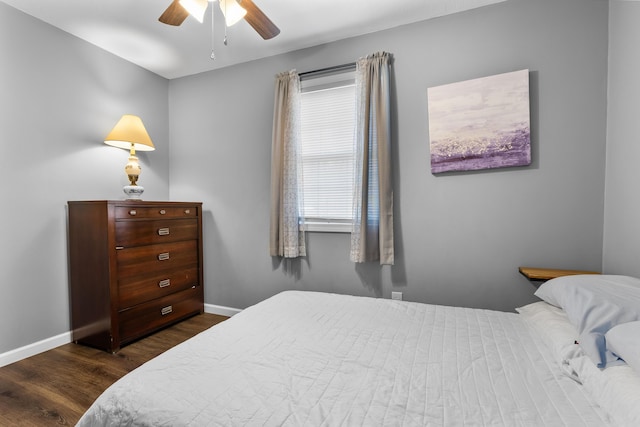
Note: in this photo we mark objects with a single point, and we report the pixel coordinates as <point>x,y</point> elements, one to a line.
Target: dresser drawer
<point>155,258</point>
<point>131,212</point>
<point>138,289</point>
<point>138,233</point>
<point>144,318</point>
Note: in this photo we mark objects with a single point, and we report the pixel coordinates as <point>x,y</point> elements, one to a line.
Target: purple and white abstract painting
<point>480,123</point>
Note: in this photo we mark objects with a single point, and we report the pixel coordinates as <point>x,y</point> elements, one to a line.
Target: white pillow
<point>624,341</point>
<point>552,325</point>
<point>594,304</point>
<point>614,389</point>
<point>557,332</point>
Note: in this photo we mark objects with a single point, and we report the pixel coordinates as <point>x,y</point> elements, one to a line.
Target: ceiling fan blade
<point>259,21</point>
<point>174,14</point>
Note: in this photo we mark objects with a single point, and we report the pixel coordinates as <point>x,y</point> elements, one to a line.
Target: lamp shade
<point>196,8</point>
<point>130,130</point>
<point>232,11</point>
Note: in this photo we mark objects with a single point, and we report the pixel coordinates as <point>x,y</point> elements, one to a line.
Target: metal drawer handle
<point>163,256</point>
<point>133,212</point>
<point>163,231</point>
<point>166,310</point>
<point>164,283</point>
<point>162,212</point>
<point>187,211</point>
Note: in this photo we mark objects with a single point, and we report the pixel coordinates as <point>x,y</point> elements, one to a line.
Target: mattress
<point>318,359</point>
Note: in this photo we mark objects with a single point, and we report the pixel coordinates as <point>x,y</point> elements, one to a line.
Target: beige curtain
<point>286,239</point>
<point>372,233</point>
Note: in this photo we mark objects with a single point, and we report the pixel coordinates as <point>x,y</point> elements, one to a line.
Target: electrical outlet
<point>396,296</point>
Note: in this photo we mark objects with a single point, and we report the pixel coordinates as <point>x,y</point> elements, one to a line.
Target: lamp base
<point>133,192</point>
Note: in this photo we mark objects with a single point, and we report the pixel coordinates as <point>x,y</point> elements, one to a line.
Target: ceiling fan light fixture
<point>232,11</point>
<point>196,8</point>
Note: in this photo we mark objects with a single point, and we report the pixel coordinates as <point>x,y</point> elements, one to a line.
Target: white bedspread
<point>305,358</point>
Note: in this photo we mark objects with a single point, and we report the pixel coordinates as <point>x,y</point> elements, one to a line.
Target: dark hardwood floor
<point>56,387</point>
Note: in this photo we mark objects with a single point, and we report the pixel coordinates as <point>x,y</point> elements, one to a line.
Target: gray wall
<point>59,97</point>
<point>459,237</point>
<point>622,207</point>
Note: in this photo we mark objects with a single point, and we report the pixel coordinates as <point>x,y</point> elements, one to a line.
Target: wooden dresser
<point>134,267</point>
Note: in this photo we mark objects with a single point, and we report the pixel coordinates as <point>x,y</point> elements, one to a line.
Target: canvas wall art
<point>480,123</point>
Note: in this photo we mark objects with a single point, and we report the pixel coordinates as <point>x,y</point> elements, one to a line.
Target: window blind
<point>328,112</point>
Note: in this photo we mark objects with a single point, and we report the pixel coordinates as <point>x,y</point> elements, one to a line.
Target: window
<point>328,118</point>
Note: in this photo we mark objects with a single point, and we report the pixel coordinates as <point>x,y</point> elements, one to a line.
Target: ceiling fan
<point>233,11</point>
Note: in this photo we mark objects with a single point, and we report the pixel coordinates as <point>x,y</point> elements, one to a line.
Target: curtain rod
<point>329,70</point>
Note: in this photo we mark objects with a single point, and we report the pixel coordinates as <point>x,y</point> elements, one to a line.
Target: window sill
<point>327,227</point>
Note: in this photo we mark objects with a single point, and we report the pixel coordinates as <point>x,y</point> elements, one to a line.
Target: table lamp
<point>129,133</point>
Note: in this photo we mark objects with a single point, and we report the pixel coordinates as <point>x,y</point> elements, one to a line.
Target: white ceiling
<point>131,30</point>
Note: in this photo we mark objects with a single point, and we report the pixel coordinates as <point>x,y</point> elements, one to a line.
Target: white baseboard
<point>221,310</point>
<point>29,350</point>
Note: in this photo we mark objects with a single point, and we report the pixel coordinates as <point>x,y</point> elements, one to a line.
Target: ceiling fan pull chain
<point>225,23</point>
<point>213,54</point>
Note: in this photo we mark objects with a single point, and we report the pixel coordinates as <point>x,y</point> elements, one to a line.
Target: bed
<point>317,359</point>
